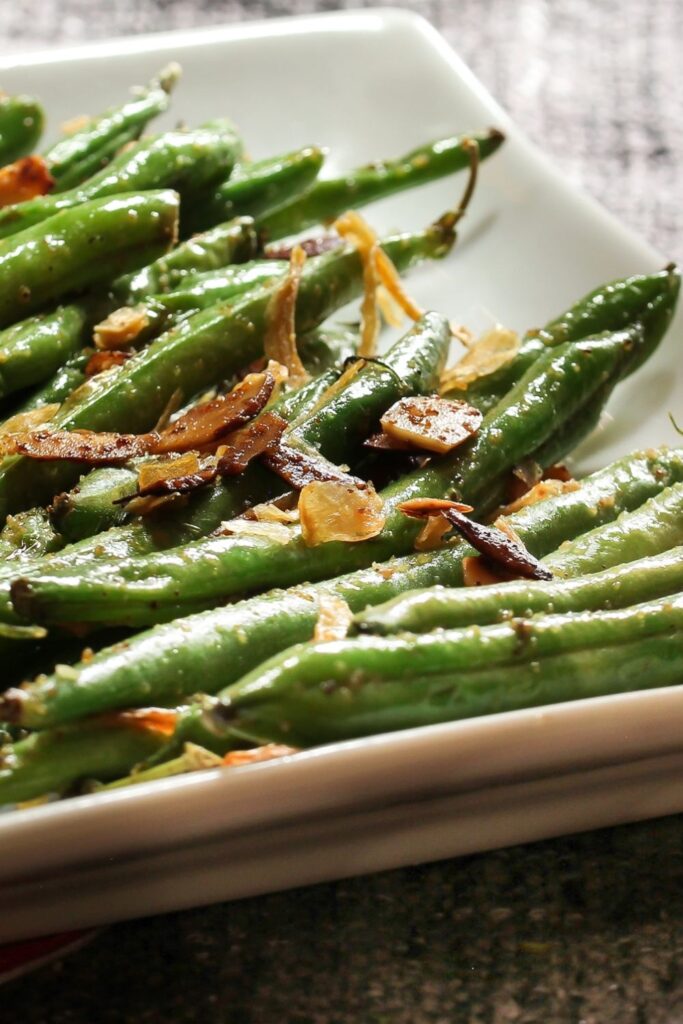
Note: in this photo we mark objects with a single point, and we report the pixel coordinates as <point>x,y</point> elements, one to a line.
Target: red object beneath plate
<point>21,957</point>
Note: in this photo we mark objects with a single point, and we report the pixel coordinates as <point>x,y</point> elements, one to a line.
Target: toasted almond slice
<point>26,421</point>
<point>334,619</point>
<point>476,573</point>
<point>420,508</point>
<point>431,424</point>
<point>202,426</point>
<point>315,245</point>
<point>241,446</point>
<point>101,361</point>
<point>545,489</point>
<point>120,329</point>
<point>276,533</point>
<point>300,468</point>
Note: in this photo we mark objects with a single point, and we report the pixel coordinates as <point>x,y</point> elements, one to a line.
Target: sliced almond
<point>121,328</point>
<point>275,533</point>
<point>334,619</point>
<point>431,424</point>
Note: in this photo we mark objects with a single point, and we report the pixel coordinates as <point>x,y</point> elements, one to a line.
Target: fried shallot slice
<point>331,510</point>
<point>24,179</point>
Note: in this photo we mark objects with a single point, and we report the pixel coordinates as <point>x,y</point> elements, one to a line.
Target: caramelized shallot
<point>174,476</point>
<point>24,179</point>
<point>275,533</point>
<point>493,350</point>
<point>120,329</point>
<point>269,512</point>
<point>378,272</point>
<point>338,511</point>
<point>280,339</point>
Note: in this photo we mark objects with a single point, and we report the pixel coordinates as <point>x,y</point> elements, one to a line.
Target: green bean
<point>650,298</point>
<point>91,506</point>
<point>36,348</point>
<point>411,366</point>
<point>326,199</point>
<point>227,243</point>
<point>440,607</point>
<point>161,586</point>
<point>329,346</point>
<point>81,247</point>
<point>209,346</point>
<point>656,526</point>
<point>193,758</point>
<point>58,388</point>
<point>79,155</point>
<point>303,695</point>
<point>187,161</point>
<point>160,312</point>
<point>21,125</point>
<point>28,534</point>
<point>201,290</point>
<point>255,189</point>
<point>233,242</point>
<point>413,363</point>
<point>51,762</point>
<point>163,664</point>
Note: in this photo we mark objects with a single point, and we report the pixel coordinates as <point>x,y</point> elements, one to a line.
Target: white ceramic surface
<point>367,84</point>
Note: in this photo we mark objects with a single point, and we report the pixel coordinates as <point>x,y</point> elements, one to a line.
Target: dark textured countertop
<point>583,930</point>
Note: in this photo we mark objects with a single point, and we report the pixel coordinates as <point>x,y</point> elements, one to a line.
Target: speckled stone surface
<point>583,930</point>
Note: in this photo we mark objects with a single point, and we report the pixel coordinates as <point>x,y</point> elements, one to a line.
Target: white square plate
<point>367,84</point>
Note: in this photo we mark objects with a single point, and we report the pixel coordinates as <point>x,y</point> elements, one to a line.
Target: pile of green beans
<point>194,600</point>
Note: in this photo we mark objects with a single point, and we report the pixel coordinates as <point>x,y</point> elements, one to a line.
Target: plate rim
<point>383,19</point>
